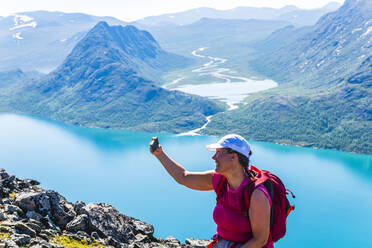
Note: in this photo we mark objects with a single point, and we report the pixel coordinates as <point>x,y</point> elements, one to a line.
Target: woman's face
<point>223,160</point>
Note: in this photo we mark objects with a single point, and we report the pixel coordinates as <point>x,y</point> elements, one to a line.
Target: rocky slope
<point>333,48</point>
<point>33,217</point>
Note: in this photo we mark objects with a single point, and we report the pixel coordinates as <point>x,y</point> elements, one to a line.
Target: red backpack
<point>278,193</point>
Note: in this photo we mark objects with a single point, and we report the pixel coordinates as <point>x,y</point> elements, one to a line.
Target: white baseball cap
<point>233,141</point>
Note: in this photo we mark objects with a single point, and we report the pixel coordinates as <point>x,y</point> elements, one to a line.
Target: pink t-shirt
<point>231,225</point>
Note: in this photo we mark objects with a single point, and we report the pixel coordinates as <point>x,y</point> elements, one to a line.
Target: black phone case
<point>154,144</point>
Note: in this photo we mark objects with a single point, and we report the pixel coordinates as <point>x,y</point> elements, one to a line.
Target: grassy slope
<point>336,118</point>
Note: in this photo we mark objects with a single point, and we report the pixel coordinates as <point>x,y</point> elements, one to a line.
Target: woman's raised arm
<point>193,180</point>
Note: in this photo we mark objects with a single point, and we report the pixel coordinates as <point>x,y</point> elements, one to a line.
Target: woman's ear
<point>234,155</point>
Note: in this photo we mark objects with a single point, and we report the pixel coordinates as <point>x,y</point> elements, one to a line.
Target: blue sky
<point>129,10</point>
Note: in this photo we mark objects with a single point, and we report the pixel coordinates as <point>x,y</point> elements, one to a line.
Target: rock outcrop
<point>33,217</point>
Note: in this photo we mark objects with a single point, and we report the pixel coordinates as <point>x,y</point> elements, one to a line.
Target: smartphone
<point>154,144</point>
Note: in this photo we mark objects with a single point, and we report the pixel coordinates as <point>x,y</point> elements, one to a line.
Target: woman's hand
<point>158,151</point>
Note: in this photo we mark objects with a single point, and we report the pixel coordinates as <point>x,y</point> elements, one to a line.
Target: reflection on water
<point>333,189</point>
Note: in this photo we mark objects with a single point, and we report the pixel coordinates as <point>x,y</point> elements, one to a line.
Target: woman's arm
<point>259,216</point>
<point>193,180</point>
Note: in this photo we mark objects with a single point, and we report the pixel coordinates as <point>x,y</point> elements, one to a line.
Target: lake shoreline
<point>102,165</point>
<point>212,134</point>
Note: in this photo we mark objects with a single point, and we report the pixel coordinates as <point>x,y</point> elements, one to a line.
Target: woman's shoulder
<point>216,178</point>
<point>261,190</point>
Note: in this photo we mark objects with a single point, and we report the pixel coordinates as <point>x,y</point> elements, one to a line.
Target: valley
<point>216,82</point>
<point>308,82</point>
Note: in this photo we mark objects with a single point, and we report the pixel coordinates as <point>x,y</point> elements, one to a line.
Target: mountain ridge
<point>28,38</point>
<point>317,104</point>
<point>99,85</point>
<point>192,15</point>
<point>338,38</point>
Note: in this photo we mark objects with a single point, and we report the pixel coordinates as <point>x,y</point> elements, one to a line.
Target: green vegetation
<point>324,96</point>
<point>102,84</point>
<point>4,236</point>
<point>330,118</point>
<point>69,242</point>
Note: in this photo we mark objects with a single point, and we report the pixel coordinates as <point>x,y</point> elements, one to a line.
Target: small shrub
<point>70,242</point>
<point>12,195</point>
<point>4,236</point>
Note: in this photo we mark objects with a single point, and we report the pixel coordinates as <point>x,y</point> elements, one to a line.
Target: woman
<point>232,154</point>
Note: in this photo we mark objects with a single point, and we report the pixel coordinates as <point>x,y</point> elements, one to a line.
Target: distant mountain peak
<point>101,24</point>
<point>332,5</point>
<point>290,8</point>
<point>128,39</point>
<point>355,3</point>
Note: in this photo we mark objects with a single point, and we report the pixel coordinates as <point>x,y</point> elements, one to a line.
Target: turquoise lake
<point>333,189</point>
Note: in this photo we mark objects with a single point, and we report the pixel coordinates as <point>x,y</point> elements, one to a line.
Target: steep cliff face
<point>33,217</point>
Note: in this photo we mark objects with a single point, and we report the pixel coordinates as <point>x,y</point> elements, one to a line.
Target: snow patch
<point>198,50</point>
<point>362,57</point>
<point>165,86</point>
<point>232,106</point>
<point>370,40</point>
<point>320,63</point>
<point>355,30</point>
<point>23,18</point>
<point>18,36</point>
<point>63,40</point>
<point>338,50</point>
<point>369,30</point>
<point>368,22</point>
<point>21,21</point>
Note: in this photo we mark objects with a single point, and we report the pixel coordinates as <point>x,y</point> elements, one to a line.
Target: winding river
<point>228,88</point>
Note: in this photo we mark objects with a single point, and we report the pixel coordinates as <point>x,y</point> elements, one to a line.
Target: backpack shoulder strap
<point>221,186</point>
<point>246,197</point>
<point>254,183</point>
<point>269,187</point>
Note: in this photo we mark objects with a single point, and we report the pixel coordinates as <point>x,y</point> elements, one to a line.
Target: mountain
<point>288,14</point>
<point>339,38</point>
<point>307,17</point>
<point>28,39</point>
<point>15,77</point>
<point>324,99</point>
<point>11,81</point>
<point>219,34</point>
<point>100,84</point>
